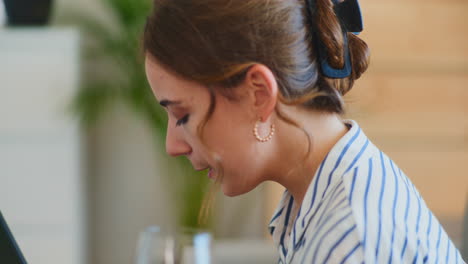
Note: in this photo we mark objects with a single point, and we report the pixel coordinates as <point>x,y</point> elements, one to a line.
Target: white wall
<point>126,185</point>
<point>2,14</point>
<point>42,188</point>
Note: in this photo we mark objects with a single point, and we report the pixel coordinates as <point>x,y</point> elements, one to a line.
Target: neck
<point>292,168</point>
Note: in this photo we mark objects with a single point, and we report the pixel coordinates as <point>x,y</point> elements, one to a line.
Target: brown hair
<point>215,42</point>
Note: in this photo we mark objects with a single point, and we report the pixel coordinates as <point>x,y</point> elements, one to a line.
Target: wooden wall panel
<point>429,109</point>
<point>421,33</point>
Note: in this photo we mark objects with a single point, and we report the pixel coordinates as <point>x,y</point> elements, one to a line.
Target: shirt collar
<point>344,155</point>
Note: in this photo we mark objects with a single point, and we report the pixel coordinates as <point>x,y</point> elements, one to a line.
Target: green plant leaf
<point>124,80</point>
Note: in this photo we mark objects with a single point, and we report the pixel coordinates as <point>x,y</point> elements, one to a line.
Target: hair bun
<point>330,33</point>
<point>360,55</point>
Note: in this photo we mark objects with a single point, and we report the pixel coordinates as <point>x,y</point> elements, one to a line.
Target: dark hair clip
<point>349,15</point>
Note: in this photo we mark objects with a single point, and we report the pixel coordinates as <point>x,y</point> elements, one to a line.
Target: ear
<point>263,90</point>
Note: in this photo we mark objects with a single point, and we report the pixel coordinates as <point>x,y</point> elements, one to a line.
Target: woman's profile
<point>254,92</point>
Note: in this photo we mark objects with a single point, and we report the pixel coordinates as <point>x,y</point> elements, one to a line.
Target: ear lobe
<point>265,90</point>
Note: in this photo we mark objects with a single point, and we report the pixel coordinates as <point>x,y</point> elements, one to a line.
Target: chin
<point>232,191</point>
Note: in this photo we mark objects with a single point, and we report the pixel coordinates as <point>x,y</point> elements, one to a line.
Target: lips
<point>211,174</point>
<point>203,168</point>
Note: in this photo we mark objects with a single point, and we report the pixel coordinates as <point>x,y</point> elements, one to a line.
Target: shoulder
<point>350,218</point>
<point>334,237</point>
<point>346,226</point>
<point>386,208</point>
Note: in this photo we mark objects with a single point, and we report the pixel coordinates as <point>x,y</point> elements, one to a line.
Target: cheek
<point>229,139</point>
<point>229,134</point>
<point>241,169</point>
<point>226,130</point>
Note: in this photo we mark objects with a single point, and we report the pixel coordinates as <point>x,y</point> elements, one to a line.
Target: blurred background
<point>83,167</point>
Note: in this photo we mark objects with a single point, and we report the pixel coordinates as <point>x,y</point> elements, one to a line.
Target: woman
<point>253,90</point>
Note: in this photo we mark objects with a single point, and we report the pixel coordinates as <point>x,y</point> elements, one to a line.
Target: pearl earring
<point>267,138</point>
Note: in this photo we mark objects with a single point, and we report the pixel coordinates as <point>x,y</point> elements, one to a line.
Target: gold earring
<point>267,138</point>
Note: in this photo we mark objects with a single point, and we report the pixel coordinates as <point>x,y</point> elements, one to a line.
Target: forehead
<point>168,86</point>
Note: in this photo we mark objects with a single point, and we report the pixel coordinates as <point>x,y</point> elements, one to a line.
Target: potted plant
<point>120,49</point>
<point>28,12</point>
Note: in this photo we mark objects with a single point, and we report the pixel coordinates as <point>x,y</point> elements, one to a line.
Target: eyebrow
<point>166,103</point>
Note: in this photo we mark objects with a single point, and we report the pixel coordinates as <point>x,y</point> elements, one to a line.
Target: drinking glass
<point>182,246</point>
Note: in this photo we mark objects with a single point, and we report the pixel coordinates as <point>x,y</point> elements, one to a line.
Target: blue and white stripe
<point>359,208</point>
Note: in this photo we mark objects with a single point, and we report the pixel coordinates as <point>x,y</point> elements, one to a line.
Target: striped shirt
<point>359,208</point>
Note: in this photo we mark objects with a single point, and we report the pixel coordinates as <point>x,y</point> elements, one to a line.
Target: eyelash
<point>183,120</point>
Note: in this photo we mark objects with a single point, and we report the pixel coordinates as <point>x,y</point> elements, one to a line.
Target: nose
<point>175,144</point>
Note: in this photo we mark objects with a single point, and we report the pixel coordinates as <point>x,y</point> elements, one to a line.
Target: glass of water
<point>180,246</point>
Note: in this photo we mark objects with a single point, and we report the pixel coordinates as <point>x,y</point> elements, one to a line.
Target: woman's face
<point>228,132</point>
